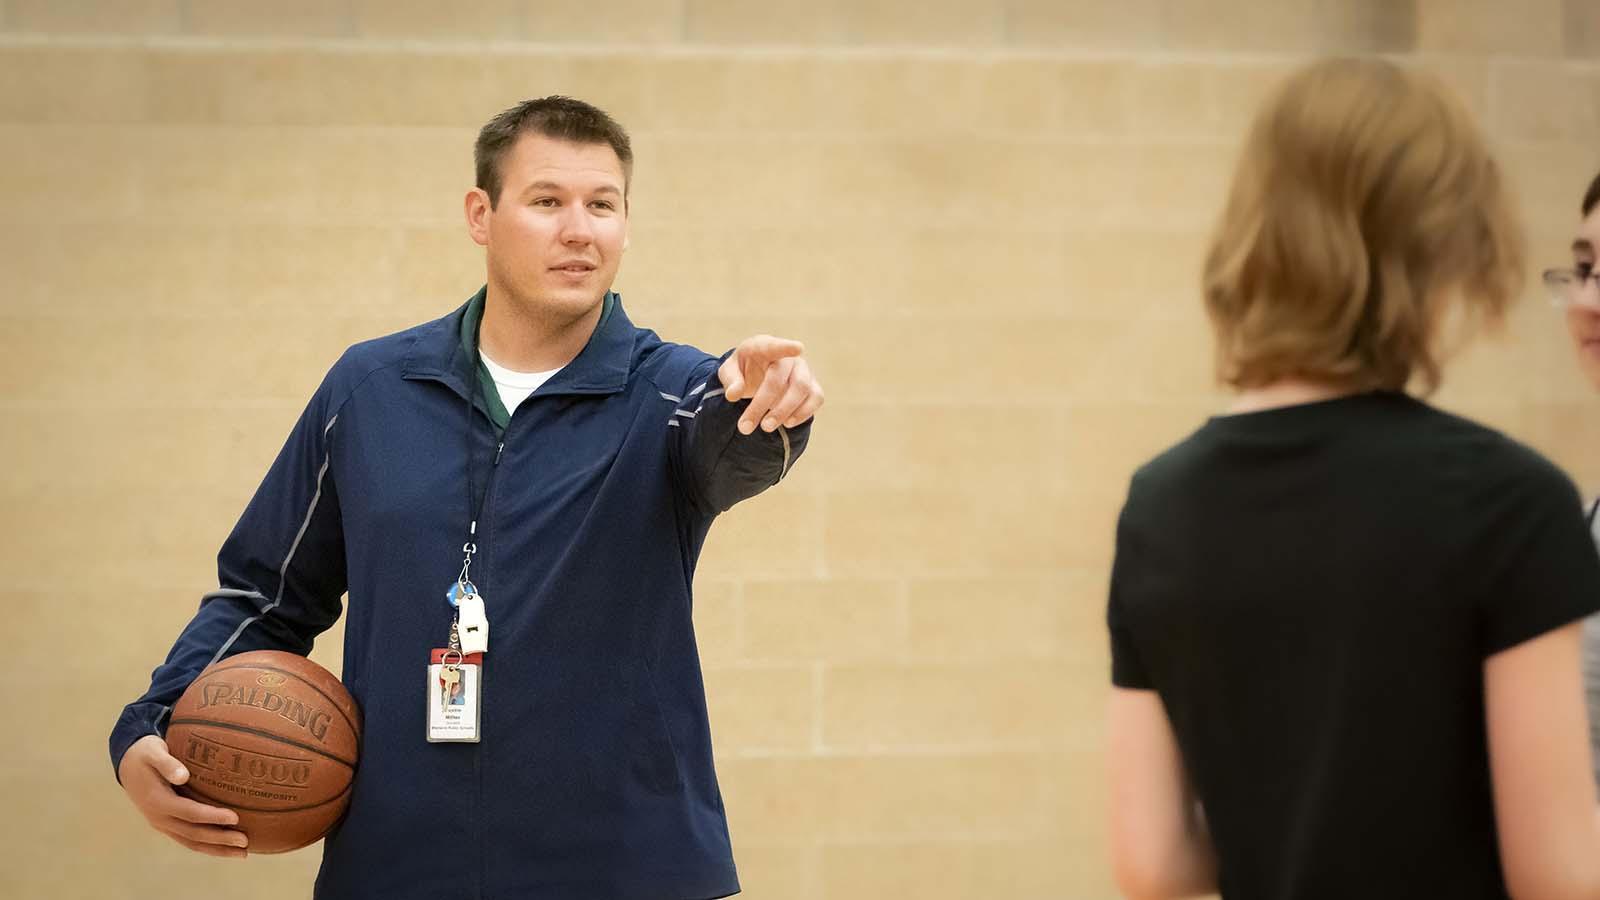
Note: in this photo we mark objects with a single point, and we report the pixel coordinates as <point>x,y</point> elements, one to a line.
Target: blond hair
<point>1364,199</point>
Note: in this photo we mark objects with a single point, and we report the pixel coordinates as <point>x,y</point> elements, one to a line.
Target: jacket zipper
<point>477,755</point>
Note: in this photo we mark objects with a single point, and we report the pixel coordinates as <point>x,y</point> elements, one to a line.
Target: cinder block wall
<point>985,218</point>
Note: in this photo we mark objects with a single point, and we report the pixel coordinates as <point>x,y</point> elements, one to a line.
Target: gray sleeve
<point>1591,659</point>
<point>1591,685</point>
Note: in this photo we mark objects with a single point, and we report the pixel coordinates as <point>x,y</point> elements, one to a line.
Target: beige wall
<point>984,218</point>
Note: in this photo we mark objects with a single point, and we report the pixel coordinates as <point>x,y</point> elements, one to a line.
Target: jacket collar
<point>443,351</point>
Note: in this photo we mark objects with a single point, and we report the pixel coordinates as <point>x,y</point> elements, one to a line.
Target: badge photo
<point>454,696</point>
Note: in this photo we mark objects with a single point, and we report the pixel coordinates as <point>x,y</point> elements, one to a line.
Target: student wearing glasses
<point>1577,291</point>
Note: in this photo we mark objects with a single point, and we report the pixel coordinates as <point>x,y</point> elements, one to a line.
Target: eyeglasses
<point>1566,286</point>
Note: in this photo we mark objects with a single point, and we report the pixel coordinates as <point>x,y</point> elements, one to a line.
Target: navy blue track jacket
<point>594,776</point>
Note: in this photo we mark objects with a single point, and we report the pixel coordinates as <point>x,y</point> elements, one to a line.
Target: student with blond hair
<point>1345,624</point>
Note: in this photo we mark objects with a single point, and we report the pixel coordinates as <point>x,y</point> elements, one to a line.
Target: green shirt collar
<point>487,390</point>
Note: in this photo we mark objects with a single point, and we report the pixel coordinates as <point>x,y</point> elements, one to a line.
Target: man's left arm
<point>741,428</point>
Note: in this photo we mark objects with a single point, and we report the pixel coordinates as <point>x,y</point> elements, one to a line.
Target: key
<point>450,675</point>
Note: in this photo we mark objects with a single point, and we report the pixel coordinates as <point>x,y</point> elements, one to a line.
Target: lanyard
<point>467,617</point>
<point>474,500</point>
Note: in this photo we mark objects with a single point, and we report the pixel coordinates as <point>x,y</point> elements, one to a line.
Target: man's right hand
<point>148,772</point>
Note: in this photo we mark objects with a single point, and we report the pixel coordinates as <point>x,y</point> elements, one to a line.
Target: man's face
<point>1583,316</point>
<point>555,237</point>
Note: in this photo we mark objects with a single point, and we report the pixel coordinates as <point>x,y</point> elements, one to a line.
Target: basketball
<point>274,737</point>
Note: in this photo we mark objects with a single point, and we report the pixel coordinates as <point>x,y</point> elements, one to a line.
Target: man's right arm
<point>280,573</point>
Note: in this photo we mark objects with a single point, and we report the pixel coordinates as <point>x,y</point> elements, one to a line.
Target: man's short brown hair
<point>1365,198</point>
<point>561,118</point>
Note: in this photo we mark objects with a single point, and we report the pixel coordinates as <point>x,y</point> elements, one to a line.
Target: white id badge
<point>455,696</point>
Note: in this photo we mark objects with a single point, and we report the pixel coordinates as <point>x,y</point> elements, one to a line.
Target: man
<point>532,467</point>
<point>1577,290</point>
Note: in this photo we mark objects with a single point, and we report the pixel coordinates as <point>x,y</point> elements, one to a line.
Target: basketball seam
<point>228,801</point>
<point>261,732</point>
<point>334,704</point>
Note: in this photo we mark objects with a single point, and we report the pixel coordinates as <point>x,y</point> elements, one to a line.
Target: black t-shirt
<point>1313,590</point>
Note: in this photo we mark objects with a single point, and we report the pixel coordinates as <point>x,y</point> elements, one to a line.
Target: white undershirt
<point>515,387</point>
